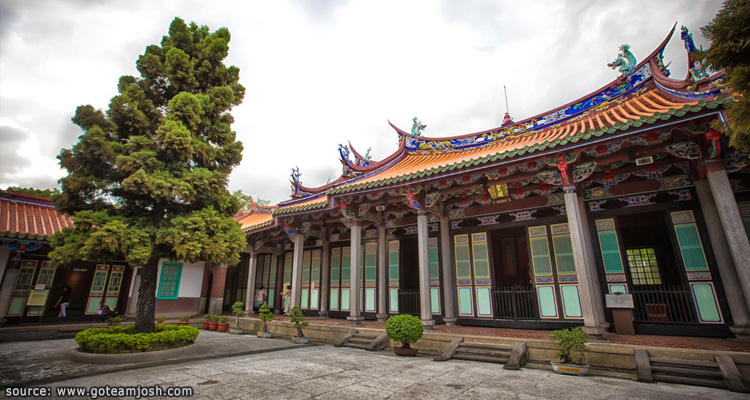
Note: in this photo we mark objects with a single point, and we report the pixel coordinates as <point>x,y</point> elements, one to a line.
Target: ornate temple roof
<point>24,216</point>
<point>643,95</point>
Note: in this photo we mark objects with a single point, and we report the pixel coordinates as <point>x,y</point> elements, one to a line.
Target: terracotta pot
<point>223,327</point>
<point>205,325</point>
<point>212,326</point>
<point>400,351</point>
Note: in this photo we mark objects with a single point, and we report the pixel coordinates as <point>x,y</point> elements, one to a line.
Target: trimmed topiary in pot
<point>265,316</point>
<point>404,328</point>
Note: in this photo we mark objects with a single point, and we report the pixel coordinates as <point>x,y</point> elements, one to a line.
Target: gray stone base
<point>323,314</point>
<point>450,321</point>
<point>428,324</point>
<point>595,332</point>
<point>249,313</point>
<point>91,358</point>
<point>741,332</point>
<point>382,317</point>
<point>355,320</point>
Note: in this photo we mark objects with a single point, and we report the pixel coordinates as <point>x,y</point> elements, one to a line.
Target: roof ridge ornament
<point>625,61</point>
<point>417,128</point>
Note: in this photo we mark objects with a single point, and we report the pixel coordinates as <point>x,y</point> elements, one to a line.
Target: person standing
<point>287,298</point>
<point>63,302</point>
<point>260,297</point>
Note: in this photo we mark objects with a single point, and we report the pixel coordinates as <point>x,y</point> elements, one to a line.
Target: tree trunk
<point>146,307</point>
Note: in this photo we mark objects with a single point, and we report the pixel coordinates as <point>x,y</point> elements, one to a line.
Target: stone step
<point>685,380</point>
<point>366,337</point>
<point>487,346</point>
<point>488,352</point>
<point>357,345</point>
<point>360,340</point>
<point>684,362</point>
<point>477,357</point>
<point>688,371</point>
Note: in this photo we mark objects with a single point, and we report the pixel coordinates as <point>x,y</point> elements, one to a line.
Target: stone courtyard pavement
<point>327,372</point>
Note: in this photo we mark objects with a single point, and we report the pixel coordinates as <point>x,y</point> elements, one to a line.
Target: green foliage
<point>185,318</point>
<point>729,37</point>
<point>207,317</point>
<point>160,319</point>
<point>36,192</point>
<point>265,315</point>
<point>298,320</point>
<point>404,328</point>
<point>114,321</point>
<point>238,309</point>
<point>570,340</point>
<point>223,319</point>
<point>119,339</point>
<point>147,178</point>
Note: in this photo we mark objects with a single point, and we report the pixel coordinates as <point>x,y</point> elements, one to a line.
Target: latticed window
<point>169,284</point>
<point>644,269</point>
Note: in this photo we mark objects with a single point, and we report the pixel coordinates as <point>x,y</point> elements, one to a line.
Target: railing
<point>663,305</point>
<point>408,301</point>
<point>515,302</point>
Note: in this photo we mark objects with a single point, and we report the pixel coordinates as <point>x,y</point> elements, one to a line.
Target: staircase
<point>362,341</point>
<point>720,373</point>
<point>512,356</point>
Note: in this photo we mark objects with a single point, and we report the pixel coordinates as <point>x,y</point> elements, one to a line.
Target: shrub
<point>238,309</point>
<point>185,318</point>
<point>570,340</point>
<point>114,321</point>
<point>404,328</point>
<point>223,319</point>
<point>118,339</point>
<point>298,320</point>
<point>265,316</point>
<point>160,319</point>
<point>207,317</point>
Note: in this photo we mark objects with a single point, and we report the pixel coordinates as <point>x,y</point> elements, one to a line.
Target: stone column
<point>382,275</point>
<point>299,251</point>
<point>135,285</point>
<point>325,278</point>
<point>424,271</point>
<point>731,220</point>
<point>726,267</point>
<point>250,294</point>
<point>446,263</point>
<point>592,305</point>
<point>355,292</point>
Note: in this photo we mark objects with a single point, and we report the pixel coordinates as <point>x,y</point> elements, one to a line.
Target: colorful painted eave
<point>314,204</point>
<point>646,109</point>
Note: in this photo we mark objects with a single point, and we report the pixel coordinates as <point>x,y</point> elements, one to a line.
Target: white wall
<point>191,279</point>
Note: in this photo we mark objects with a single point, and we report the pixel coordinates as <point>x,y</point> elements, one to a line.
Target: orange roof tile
<point>30,220</point>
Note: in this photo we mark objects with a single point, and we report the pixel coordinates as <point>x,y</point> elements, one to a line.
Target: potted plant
<point>406,329</point>
<point>223,323</point>
<point>184,320</point>
<point>213,322</point>
<point>160,319</point>
<point>238,309</point>
<point>265,316</point>
<point>206,321</point>
<point>570,341</point>
<point>298,320</point>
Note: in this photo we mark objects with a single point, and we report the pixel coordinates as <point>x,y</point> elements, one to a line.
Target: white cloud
<point>322,73</point>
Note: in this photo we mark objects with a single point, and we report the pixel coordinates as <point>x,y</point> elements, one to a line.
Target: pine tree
<point>729,37</point>
<point>147,179</point>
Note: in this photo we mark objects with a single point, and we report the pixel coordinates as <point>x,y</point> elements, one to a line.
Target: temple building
<point>627,191</point>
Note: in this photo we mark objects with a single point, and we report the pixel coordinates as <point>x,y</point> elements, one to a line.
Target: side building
<point>535,224</point>
<point>30,285</point>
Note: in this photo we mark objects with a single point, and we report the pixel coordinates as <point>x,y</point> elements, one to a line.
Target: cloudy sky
<point>323,72</point>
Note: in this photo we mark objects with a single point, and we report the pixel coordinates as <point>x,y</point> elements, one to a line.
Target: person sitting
<point>106,311</point>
